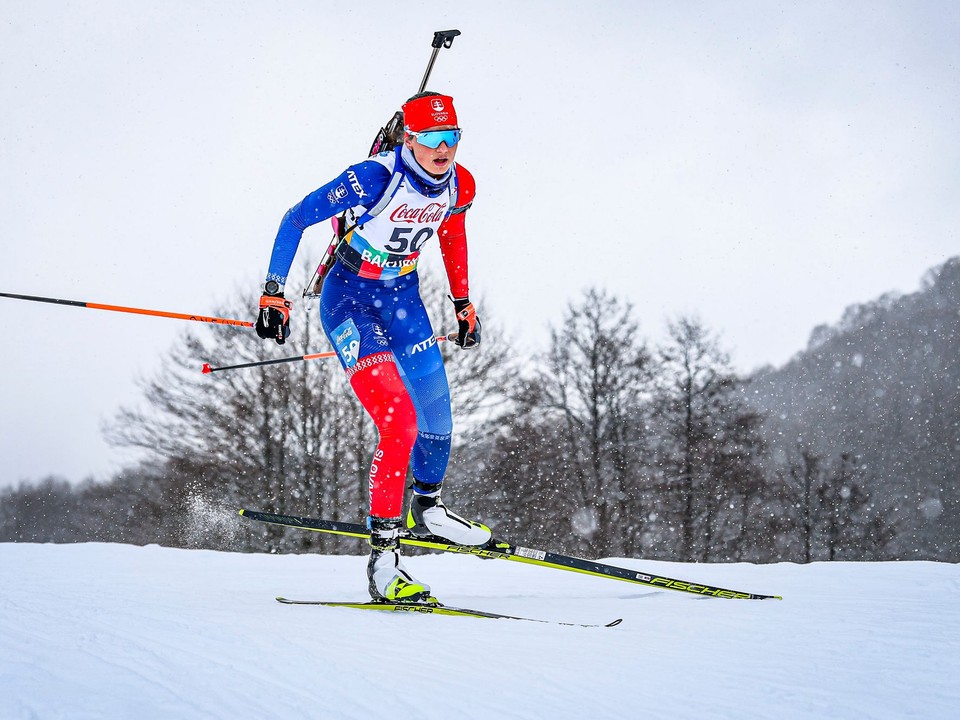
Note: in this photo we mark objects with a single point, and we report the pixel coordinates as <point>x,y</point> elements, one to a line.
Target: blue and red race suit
<point>371,310</point>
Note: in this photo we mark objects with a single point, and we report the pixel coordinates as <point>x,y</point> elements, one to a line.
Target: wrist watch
<point>271,287</point>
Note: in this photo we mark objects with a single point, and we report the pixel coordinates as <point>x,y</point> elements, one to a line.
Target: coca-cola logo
<point>432,213</point>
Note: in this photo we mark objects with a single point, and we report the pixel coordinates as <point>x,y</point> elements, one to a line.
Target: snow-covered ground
<point>115,631</point>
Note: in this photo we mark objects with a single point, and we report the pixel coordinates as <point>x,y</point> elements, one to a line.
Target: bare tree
<point>588,392</point>
<point>807,476</point>
<point>708,442</point>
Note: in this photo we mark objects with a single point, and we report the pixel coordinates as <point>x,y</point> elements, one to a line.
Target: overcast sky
<point>762,165</point>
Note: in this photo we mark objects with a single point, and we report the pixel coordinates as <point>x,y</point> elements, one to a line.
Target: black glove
<point>273,320</point>
<point>468,324</point>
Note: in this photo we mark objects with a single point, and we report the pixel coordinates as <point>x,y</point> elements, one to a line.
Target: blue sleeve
<point>360,184</point>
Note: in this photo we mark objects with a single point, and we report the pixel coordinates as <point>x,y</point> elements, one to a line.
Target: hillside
<point>884,385</point>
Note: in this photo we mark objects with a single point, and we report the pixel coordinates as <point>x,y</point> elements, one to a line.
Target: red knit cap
<point>427,112</point>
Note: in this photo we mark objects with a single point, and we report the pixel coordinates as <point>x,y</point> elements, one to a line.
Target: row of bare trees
<point>616,448</point>
<point>601,445</point>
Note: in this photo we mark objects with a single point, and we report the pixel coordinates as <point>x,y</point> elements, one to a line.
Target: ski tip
<point>614,623</point>
<point>206,368</point>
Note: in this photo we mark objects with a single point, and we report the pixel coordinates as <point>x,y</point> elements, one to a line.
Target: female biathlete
<point>372,313</point>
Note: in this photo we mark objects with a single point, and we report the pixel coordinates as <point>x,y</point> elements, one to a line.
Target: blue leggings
<point>372,322</point>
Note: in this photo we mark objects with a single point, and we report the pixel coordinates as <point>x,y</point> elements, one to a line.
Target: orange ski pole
<point>137,311</point>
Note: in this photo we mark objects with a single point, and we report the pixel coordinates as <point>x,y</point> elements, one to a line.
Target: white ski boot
<point>389,580</point>
<point>429,516</point>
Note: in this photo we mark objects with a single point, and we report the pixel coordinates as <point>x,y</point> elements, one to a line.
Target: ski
<point>435,609</point>
<point>503,550</point>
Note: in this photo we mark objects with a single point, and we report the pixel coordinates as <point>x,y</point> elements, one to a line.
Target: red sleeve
<point>453,235</point>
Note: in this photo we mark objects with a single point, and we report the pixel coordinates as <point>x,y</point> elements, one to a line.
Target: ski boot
<point>388,579</point>
<point>429,516</point>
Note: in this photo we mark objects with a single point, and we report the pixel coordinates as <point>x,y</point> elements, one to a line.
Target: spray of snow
<point>205,518</point>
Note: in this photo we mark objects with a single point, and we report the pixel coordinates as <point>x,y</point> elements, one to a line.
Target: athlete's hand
<point>273,319</point>
<point>468,324</point>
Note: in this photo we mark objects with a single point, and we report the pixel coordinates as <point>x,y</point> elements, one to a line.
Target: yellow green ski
<point>433,608</point>
<point>503,550</point>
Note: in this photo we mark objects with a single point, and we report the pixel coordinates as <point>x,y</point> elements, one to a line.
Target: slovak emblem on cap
<point>439,110</point>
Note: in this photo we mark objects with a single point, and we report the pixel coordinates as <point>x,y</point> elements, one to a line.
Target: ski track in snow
<point>114,631</point>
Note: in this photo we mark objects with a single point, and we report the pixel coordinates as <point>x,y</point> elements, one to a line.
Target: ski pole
<point>137,311</point>
<point>207,368</point>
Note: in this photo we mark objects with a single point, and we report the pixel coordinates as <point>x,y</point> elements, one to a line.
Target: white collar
<point>406,154</point>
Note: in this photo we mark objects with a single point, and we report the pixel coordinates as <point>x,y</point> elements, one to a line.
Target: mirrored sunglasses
<point>433,138</point>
